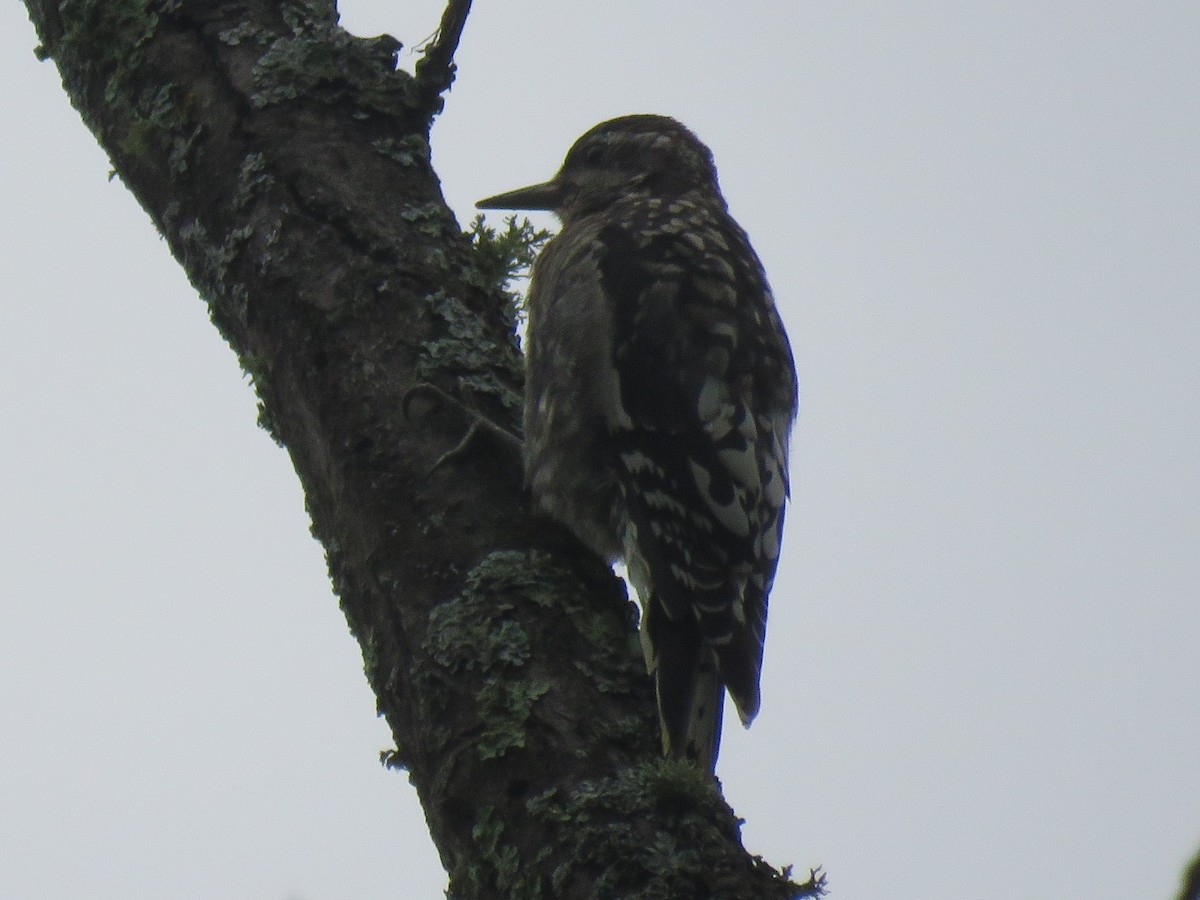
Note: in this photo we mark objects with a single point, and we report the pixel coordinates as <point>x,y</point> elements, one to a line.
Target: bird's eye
<point>594,155</point>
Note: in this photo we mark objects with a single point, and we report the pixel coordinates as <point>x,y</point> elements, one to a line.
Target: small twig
<point>477,436</point>
<point>435,70</point>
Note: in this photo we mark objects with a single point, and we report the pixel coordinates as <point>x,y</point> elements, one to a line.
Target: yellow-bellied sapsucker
<point>660,393</point>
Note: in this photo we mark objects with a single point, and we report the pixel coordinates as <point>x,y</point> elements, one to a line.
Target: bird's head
<point>642,155</point>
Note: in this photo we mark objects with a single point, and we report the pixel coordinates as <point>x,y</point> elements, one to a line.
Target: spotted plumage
<point>659,398</point>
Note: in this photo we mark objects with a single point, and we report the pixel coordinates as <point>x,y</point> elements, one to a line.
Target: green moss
<point>601,824</point>
<point>102,44</point>
<point>319,59</point>
<point>431,219</point>
<point>477,635</point>
<point>211,262</point>
<point>496,868</point>
<point>211,266</point>
<point>468,355</point>
<point>239,33</point>
<point>253,179</point>
<point>501,257</point>
<point>408,151</point>
<point>156,119</point>
<point>106,35</point>
<point>503,858</point>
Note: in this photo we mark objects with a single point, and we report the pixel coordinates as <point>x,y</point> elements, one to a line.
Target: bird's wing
<point>706,390</point>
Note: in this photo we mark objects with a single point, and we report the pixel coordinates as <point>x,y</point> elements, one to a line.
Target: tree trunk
<point>287,165</point>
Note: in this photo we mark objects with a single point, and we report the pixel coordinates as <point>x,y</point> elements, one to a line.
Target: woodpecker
<point>660,394</point>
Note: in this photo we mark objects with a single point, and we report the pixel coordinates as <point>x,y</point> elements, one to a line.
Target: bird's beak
<point>547,195</point>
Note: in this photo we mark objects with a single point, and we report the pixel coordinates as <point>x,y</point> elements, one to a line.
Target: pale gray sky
<point>982,223</point>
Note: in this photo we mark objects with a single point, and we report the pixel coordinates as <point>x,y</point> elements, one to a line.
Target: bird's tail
<point>690,699</point>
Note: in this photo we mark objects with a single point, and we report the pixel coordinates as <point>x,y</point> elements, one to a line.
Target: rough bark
<point>287,165</point>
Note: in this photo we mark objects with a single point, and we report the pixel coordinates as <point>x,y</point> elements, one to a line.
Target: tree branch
<point>287,165</point>
<point>436,69</point>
